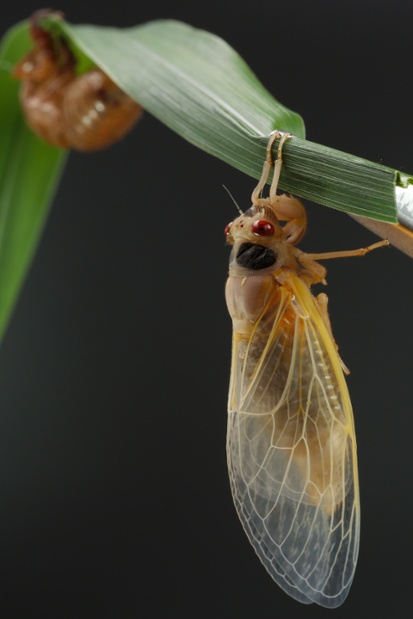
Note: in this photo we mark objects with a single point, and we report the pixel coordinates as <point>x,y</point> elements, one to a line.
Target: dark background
<point>114,371</point>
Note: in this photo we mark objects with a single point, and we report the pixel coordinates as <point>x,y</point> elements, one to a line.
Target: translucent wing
<point>291,449</point>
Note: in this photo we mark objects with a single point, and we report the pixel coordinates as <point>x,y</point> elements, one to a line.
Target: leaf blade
<point>198,86</point>
<point>29,173</point>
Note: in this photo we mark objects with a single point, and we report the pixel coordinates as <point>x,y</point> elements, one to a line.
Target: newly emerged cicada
<point>85,112</point>
<point>291,445</point>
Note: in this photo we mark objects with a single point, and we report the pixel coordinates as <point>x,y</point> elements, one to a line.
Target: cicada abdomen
<point>86,112</point>
<point>97,112</point>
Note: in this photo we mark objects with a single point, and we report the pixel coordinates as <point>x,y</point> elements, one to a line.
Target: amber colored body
<point>291,444</point>
<point>86,112</point>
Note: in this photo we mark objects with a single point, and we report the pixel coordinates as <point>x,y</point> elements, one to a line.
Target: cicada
<point>85,112</point>
<point>291,445</point>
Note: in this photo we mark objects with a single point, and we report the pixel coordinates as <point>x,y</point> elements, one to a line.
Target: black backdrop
<point>113,373</point>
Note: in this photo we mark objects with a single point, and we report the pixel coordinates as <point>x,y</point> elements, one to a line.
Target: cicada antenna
<point>233,199</point>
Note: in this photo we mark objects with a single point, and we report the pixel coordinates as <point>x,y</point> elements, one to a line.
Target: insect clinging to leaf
<point>291,445</point>
<point>85,112</point>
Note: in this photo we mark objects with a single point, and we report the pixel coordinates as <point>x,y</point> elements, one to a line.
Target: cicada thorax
<point>86,112</point>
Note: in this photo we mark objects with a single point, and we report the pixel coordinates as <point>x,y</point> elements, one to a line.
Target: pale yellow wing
<point>291,450</point>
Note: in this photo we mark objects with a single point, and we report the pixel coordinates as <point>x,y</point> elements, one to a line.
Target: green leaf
<point>196,84</point>
<point>199,86</point>
<point>29,172</point>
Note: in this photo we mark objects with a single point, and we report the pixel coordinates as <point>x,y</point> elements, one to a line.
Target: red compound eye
<point>262,227</point>
<point>227,228</point>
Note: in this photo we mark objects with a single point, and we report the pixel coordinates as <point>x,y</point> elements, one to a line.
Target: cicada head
<point>256,222</point>
<point>37,66</point>
<point>48,56</point>
<point>258,241</point>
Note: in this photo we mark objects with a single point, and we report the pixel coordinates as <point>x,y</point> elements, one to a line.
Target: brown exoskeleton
<point>85,112</point>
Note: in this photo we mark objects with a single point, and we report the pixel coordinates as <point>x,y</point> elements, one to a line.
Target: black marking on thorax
<point>255,257</point>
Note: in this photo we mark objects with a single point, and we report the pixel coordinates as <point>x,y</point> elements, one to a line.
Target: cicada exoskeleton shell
<point>86,112</point>
<point>97,112</point>
<point>45,73</point>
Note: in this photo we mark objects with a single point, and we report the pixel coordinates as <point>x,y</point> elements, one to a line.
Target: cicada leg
<point>350,253</point>
<point>286,207</point>
<point>277,163</point>
<point>256,198</point>
<point>316,272</point>
<point>290,209</point>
